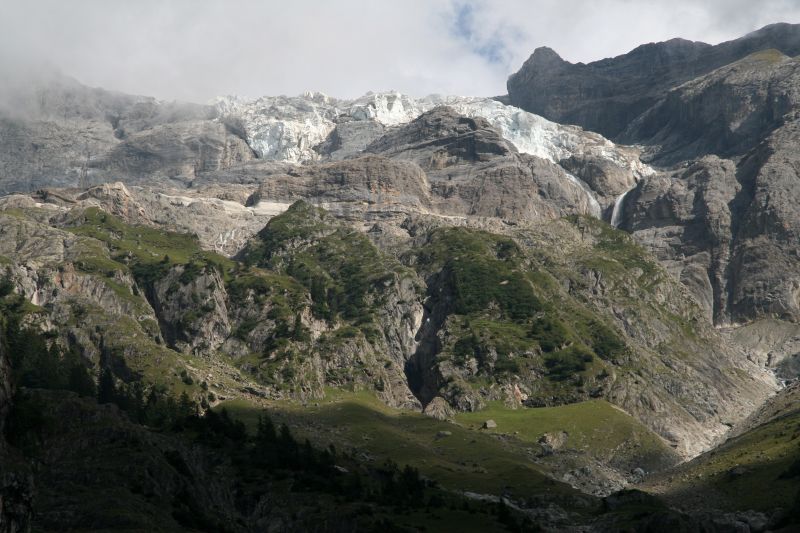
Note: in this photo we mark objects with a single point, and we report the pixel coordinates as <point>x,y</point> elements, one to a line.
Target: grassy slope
<point>495,462</point>
<point>466,460</point>
<point>595,428</point>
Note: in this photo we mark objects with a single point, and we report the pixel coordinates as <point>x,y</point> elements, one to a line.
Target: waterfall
<point>616,213</point>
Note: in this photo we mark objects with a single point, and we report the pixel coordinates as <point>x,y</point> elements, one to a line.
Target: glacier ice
<point>282,128</point>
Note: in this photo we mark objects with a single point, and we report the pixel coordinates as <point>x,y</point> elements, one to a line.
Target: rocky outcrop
<point>603,176</point>
<point>442,163</point>
<point>373,181</point>
<point>442,138</point>
<point>349,138</point>
<point>182,150</point>
<point>216,214</point>
<point>685,218</point>
<point>439,409</point>
<point>191,305</point>
<point>607,95</point>
<point>474,171</point>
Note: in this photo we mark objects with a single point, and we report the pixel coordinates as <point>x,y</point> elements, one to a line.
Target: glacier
<point>283,128</point>
<point>288,128</point>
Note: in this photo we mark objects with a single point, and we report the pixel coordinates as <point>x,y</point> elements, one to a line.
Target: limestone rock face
<point>726,112</point>
<point>729,232</point>
<point>686,219</point>
<point>507,184</point>
<point>453,138</point>
<point>724,220</point>
<point>215,213</point>
<point>605,177</point>
<point>57,132</point>
<point>349,138</point>
<point>374,181</point>
<point>191,309</point>
<point>607,95</point>
<point>442,163</point>
<point>184,149</point>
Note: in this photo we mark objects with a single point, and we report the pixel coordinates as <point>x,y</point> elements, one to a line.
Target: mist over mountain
<point>574,307</point>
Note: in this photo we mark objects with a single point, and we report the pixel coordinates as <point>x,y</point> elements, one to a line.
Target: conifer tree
<point>106,387</point>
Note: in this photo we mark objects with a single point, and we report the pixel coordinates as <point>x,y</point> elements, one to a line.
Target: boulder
<point>439,409</point>
<point>553,442</point>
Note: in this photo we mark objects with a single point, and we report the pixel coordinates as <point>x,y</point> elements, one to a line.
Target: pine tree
<point>287,446</point>
<point>6,285</point>
<point>106,388</point>
<point>80,380</point>
<point>265,451</point>
<point>186,407</point>
<point>133,402</point>
<point>265,435</point>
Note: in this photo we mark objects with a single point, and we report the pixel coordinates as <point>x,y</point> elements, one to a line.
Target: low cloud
<point>194,50</point>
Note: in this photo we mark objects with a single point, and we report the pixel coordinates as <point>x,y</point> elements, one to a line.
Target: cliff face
<point>607,95</point>
<point>726,112</point>
<point>728,232</point>
<point>58,132</point>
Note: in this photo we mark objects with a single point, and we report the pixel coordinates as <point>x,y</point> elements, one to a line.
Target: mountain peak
<point>545,56</point>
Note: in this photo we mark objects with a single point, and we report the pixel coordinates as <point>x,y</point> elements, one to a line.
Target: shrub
<point>563,364</point>
<point>550,333</point>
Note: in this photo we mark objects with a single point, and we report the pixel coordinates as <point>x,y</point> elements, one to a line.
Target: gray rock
<point>58,132</point>
<point>729,232</point>
<point>552,442</point>
<point>726,112</point>
<point>439,409</point>
<point>489,424</point>
<point>607,95</point>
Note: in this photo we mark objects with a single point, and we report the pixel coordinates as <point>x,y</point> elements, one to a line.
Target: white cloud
<point>196,49</point>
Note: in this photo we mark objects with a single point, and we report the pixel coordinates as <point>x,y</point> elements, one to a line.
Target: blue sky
<point>495,48</point>
<point>197,49</point>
